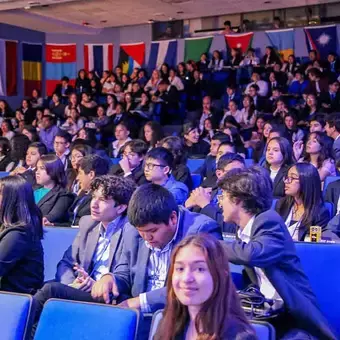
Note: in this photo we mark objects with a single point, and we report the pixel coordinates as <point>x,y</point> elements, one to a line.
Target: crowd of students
<point>134,216</point>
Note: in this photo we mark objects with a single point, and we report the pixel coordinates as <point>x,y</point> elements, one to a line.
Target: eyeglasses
<point>150,166</point>
<point>289,180</point>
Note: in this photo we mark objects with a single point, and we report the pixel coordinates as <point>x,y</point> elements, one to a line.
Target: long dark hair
<point>157,132</point>
<point>222,311</point>
<point>175,145</point>
<point>18,208</point>
<point>285,148</point>
<point>55,169</point>
<point>310,192</point>
<point>325,152</point>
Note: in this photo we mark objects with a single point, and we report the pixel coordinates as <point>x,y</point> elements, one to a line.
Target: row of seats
<point>65,320</point>
<point>318,261</point>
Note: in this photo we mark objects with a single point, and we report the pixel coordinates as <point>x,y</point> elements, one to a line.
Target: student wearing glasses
<point>302,206</point>
<point>157,169</point>
<point>131,165</point>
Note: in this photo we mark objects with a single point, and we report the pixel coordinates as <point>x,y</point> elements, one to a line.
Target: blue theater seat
<point>115,160</point>
<point>3,174</point>
<point>15,316</point>
<point>329,180</point>
<point>320,264</point>
<point>196,180</point>
<point>56,241</point>
<point>63,319</point>
<point>194,163</point>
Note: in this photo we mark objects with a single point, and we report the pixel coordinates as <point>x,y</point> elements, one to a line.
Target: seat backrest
<point>330,208</point>
<point>329,180</point>
<point>319,261</point>
<point>115,160</point>
<point>264,330</point>
<point>156,318</point>
<point>193,164</point>
<point>15,312</point>
<point>196,180</point>
<point>3,174</point>
<point>56,241</point>
<point>63,319</point>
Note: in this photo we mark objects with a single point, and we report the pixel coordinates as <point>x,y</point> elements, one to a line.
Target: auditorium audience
<point>193,145</point>
<point>201,296</point>
<point>122,134</point>
<point>21,252</point>
<point>5,155</point>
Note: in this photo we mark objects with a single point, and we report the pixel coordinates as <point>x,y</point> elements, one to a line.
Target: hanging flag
<point>8,68</point>
<point>241,41</point>
<point>60,62</point>
<point>162,52</point>
<point>195,47</point>
<point>322,39</point>
<point>282,41</point>
<point>131,56</point>
<point>31,67</point>
<point>98,58</point>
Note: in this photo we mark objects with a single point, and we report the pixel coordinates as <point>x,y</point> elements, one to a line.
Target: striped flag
<point>131,56</point>
<point>194,47</point>
<point>8,68</point>
<point>98,58</point>
<point>61,60</point>
<point>31,67</point>
<point>162,52</point>
<point>283,41</point>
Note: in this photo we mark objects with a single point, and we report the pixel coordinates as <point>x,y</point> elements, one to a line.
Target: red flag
<point>61,53</point>
<point>11,67</point>
<point>242,41</point>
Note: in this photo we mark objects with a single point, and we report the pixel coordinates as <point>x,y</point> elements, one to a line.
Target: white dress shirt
<point>263,87</point>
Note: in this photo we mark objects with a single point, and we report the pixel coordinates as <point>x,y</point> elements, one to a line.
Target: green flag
<point>194,47</point>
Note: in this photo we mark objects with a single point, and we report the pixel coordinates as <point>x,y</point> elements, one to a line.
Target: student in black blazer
<point>5,150</point>
<point>131,165</point>
<point>52,198</point>
<point>303,205</point>
<point>21,253</point>
<point>268,253</point>
<point>278,159</point>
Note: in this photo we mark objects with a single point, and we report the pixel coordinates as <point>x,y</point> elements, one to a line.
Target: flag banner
<point>195,47</point>
<point>8,68</point>
<point>322,39</point>
<point>162,52</point>
<point>282,41</point>
<point>241,41</point>
<point>31,67</point>
<point>131,56</point>
<point>61,60</point>
<point>98,57</point>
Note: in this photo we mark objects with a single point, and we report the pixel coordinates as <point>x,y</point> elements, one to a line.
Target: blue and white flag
<point>323,39</point>
<point>161,52</point>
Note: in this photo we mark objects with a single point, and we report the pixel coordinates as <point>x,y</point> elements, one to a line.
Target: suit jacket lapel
<point>115,239</point>
<point>142,265</point>
<point>91,244</point>
<point>47,197</point>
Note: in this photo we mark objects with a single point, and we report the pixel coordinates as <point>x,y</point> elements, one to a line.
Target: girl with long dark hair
<point>21,252</point>
<point>201,298</point>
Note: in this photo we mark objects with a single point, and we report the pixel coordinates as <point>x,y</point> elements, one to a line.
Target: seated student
<point>193,145</point>
<point>122,134</point>
<point>57,108</point>
<point>292,132</point>
<point>279,155</point>
<point>48,132</point>
<point>303,205</point>
<point>332,129</point>
<point>19,146</point>
<point>205,200</point>
<point>317,123</point>
<point>64,89</point>
<point>52,198</point>
<point>180,170</point>
<point>317,83</point>
<point>268,253</point>
<point>110,198</point>
<point>5,157</point>
<point>330,100</point>
<point>318,152</point>
<point>259,102</point>
<point>310,109</point>
<point>131,165</point>
<point>90,167</point>
<point>208,168</point>
<point>157,224</point>
<point>201,296</point>
<point>78,152</point>
<point>157,169</point>
<point>61,144</point>
<point>152,133</point>
<point>262,85</point>
<point>231,95</point>
<point>33,155</point>
<point>21,252</point>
